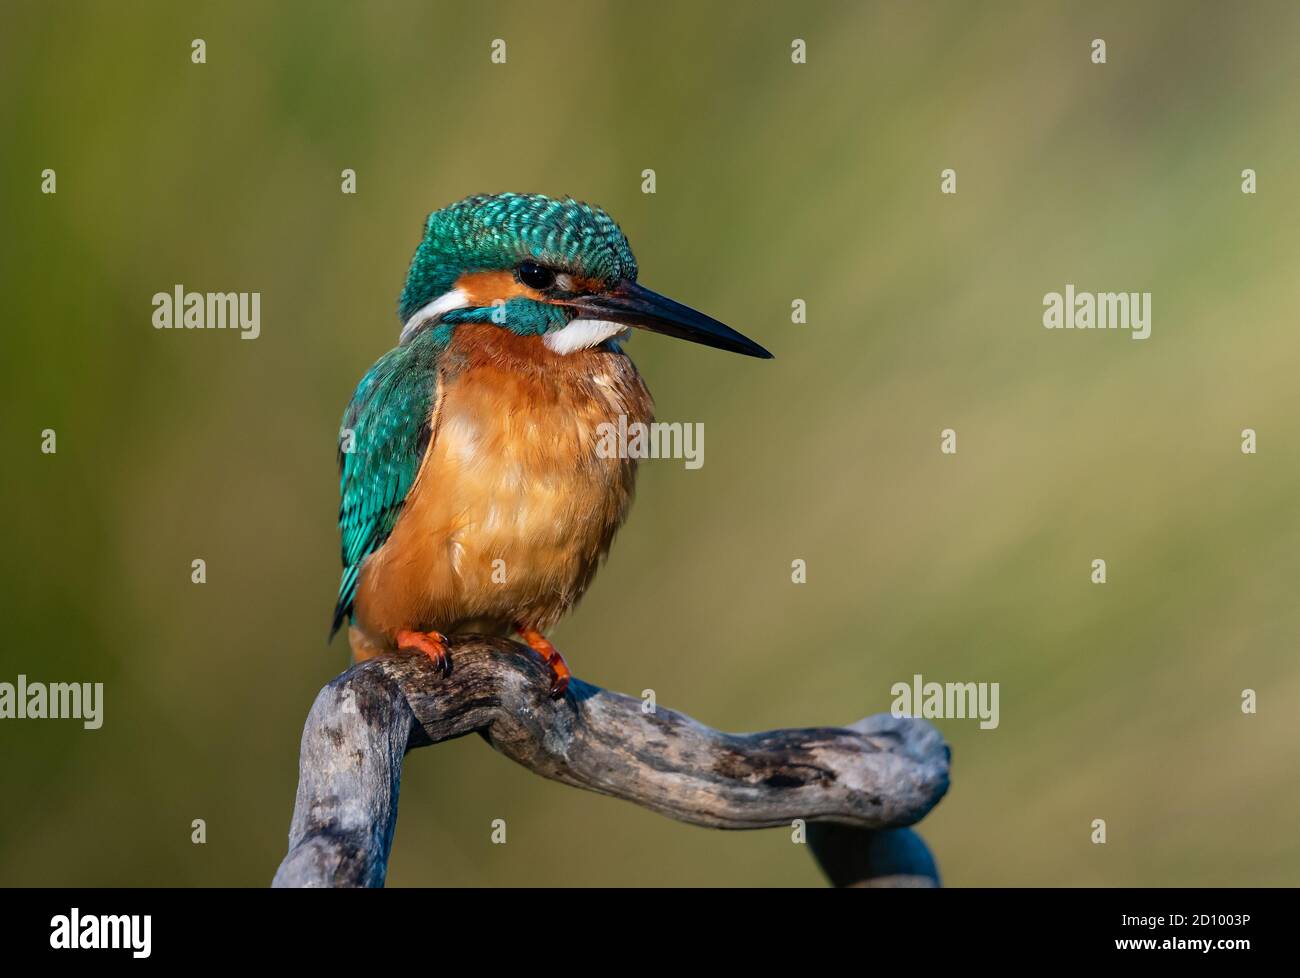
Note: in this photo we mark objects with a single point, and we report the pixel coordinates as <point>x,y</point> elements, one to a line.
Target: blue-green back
<point>382,440</point>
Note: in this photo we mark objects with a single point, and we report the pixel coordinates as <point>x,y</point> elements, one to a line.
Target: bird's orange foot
<point>432,644</point>
<point>560,674</point>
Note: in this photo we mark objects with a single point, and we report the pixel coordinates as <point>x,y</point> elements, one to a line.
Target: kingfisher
<point>474,495</point>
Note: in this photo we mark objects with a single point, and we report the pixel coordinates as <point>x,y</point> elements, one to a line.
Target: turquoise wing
<point>382,440</point>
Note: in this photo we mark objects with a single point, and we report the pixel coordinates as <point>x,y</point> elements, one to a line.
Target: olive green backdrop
<point>776,181</point>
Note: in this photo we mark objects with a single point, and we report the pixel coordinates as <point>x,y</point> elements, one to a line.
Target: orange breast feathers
<point>513,507</point>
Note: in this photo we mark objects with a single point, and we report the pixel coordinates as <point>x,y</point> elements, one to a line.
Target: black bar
<point>215,927</point>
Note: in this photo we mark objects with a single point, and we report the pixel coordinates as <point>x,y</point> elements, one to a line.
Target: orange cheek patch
<point>588,285</point>
<point>485,288</point>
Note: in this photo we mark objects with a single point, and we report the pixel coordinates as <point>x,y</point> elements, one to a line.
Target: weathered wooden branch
<point>859,783</point>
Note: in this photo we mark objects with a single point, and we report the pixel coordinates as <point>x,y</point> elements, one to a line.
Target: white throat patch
<point>582,334</point>
<point>431,312</point>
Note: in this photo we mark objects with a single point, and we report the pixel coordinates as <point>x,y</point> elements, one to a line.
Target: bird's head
<point>559,269</point>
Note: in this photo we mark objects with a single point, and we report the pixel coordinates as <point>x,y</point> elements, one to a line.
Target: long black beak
<point>635,305</point>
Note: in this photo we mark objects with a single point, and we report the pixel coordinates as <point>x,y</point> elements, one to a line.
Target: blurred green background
<point>775,181</point>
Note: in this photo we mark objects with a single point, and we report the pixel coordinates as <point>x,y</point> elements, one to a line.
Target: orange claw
<point>538,642</point>
<point>432,644</point>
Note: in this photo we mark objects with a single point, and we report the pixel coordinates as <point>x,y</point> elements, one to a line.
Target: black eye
<point>536,276</point>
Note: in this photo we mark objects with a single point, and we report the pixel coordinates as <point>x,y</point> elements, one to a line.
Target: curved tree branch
<point>877,774</point>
